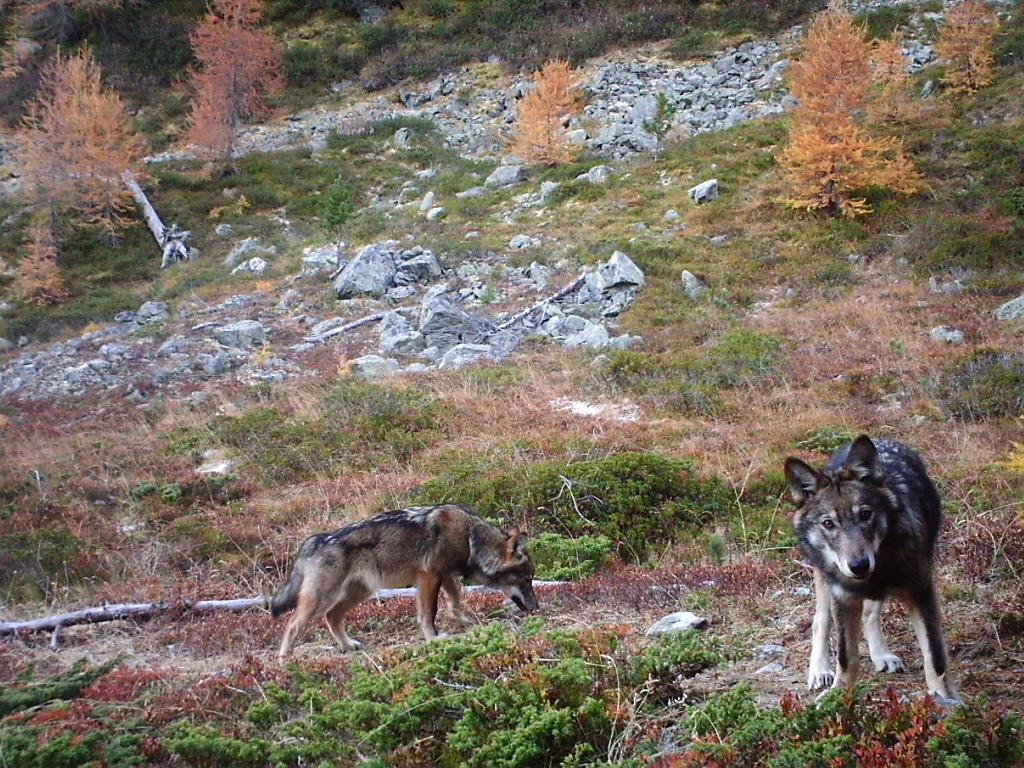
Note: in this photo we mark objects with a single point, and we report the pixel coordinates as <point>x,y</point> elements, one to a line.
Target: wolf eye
<point>827,524</point>
<point>865,515</point>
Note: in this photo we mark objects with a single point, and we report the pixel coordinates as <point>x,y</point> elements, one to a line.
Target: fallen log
<point>374,318</point>
<point>172,240</point>
<point>518,317</point>
<point>143,611</point>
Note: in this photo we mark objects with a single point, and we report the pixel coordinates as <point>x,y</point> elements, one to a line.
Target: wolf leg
<point>883,659</point>
<point>846,613</point>
<point>819,673</point>
<point>926,618</point>
<point>304,611</point>
<point>452,588</point>
<point>355,593</point>
<point>428,585</point>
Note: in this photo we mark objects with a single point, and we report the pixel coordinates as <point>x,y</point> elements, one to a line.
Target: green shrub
<point>989,386</point>
<point>828,439</point>
<point>339,205</point>
<point>61,687</point>
<point>563,559</point>
<point>639,500</point>
<point>680,654</point>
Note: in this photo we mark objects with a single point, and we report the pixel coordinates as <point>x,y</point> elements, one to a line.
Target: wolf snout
<point>860,568</point>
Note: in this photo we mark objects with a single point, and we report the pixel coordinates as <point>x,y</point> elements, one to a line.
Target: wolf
<point>867,524</point>
<point>425,547</point>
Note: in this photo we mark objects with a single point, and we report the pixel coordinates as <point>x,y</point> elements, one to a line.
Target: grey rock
<point>505,176</point>
<point>471,193</point>
<point>217,462</point>
<point>671,215</point>
<point>681,621</point>
<point>464,354</point>
<point>215,365</point>
<point>928,90</point>
<point>253,266</point>
<point>327,325</point>
<point>402,138</point>
<point>947,335</point>
<point>625,341</point>
<point>705,192</point>
<point>504,343</point>
<point>418,265</point>
<point>436,214</point>
<point>5,345</point>
<point>427,202</point>
<point>444,325</point>
<point>223,230</point>
<point>539,274</point>
<point>547,189</point>
<point>245,334</point>
<point>326,258</point>
<point>115,351</point>
<point>693,286</point>
<point>371,14</point>
<point>621,271</point>
<point>577,136</point>
<point>397,336</point>
<point>1011,310</point>
<point>769,651</point>
<point>593,335</point>
<point>152,312</point>
<point>289,299</point>
<point>772,668</point>
<point>375,366</point>
<point>522,242</point>
<point>599,174</point>
<point>173,346</point>
<point>370,272</point>
<point>247,249</point>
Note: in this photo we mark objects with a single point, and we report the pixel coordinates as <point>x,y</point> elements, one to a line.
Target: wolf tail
<point>287,597</point>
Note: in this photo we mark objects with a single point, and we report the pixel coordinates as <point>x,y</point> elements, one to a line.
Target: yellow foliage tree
<point>76,142</point>
<point>893,104</point>
<point>831,155</point>
<point>39,279</point>
<point>965,42</point>
<point>540,137</point>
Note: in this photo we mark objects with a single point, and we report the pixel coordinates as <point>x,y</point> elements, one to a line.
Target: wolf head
<point>844,512</point>
<point>505,564</point>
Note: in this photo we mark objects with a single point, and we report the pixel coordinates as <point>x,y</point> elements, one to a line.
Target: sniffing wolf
<point>425,547</point>
<point>867,524</point>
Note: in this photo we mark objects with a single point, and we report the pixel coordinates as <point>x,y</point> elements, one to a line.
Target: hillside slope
<point>635,427</point>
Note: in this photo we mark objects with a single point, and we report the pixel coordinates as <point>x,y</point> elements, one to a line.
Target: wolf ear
<point>862,461</point>
<point>804,482</point>
<point>515,546</point>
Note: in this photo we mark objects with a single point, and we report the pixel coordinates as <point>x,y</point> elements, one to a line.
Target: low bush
<point>638,500</point>
<point>563,558</point>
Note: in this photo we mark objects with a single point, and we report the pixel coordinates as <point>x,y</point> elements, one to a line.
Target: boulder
<point>217,462</point>
<point>436,214</point>
<point>427,202</point>
<point>375,366</point>
<point>705,192</point>
<point>464,354</point>
<point>593,336</point>
<point>620,270</point>
<point>946,335</point>
<point>402,138</point>
<point>1011,310</point>
<point>599,174</point>
<point>324,259</point>
<point>245,334</point>
<point>444,325</point>
<point>681,621</point>
<point>693,286</point>
<point>253,266</point>
<point>152,312</point>
<point>397,336</point>
<point>505,176</point>
<point>471,193</point>
<point>370,272</point>
<point>522,242</point>
<point>417,265</point>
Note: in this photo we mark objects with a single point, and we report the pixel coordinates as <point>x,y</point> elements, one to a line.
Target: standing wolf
<point>429,547</point>
<point>867,523</point>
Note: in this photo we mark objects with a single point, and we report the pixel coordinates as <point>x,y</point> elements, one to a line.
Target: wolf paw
<point>889,663</point>
<point>353,645</point>
<point>820,680</point>
<point>947,701</point>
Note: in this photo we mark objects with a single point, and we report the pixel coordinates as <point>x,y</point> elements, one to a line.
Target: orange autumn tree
<point>76,141</point>
<point>239,65</point>
<point>965,42</point>
<point>39,279</point>
<point>540,136</point>
<point>889,65</point>
<point>831,156</point>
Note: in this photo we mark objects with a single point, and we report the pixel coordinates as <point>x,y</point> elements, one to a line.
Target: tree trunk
<point>172,241</point>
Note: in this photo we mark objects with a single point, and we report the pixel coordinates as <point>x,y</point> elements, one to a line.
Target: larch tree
<point>239,64</point>
<point>965,42</point>
<point>831,155</point>
<point>540,136</point>
<point>76,141</point>
<point>893,103</point>
<point>39,279</point>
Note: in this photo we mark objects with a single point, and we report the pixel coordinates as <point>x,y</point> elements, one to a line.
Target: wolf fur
<point>425,547</point>
<point>867,524</point>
